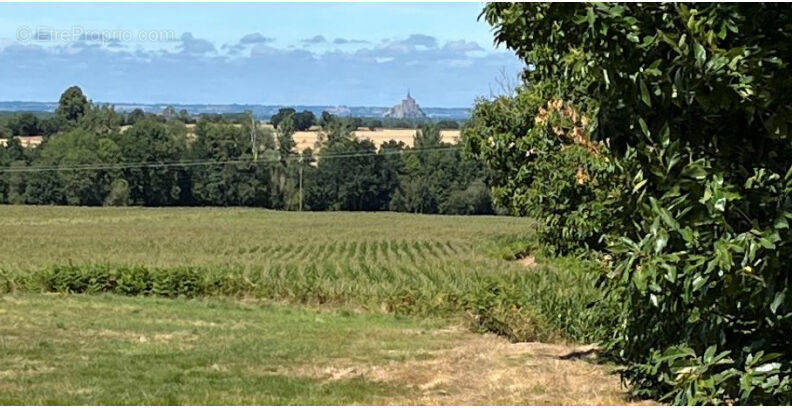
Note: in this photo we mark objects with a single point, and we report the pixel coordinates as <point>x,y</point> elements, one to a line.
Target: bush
<point>691,104</point>
<point>473,200</point>
<point>506,315</point>
<point>546,166</point>
<point>119,194</point>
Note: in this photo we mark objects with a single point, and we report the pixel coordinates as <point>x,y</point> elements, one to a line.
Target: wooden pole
<point>301,190</point>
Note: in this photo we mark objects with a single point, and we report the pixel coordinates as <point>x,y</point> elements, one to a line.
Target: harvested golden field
<point>308,139</point>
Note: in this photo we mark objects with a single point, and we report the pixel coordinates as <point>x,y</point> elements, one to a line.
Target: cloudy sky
<point>300,53</point>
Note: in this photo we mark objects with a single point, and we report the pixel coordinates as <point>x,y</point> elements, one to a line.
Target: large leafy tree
<point>12,184</point>
<point>157,148</point>
<point>434,175</point>
<point>350,175</point>
<point>72,104</point>
<point>301,121</point>
<point>75,170</point>
<point>25,124</point>
<point>691,106</point>
<point>229,177</point>
<point>76,165</point>
<point>284,166</point>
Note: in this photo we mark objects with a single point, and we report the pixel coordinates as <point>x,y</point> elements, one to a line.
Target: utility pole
<point>253,136</point>
<point>301,191</point>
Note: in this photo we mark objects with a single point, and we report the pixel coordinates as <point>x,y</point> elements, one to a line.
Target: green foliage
<point>12,184</point>
<point>235,180</point>
<point>448,124</point>
<point>25,124</point>
<point>691,104</point>
<point>151,142</point>
<point>119,193</point>
<point>435,179</point>
<point>81,182</point>
<point>302,121</point>
<point>352,177</point>
<point>136,115</point>
<point>72,105</point>
<point>539,168</point>
<point>286,128</point>
<point>86,159</point>
<point>100,120</point>
<point>542,306</point>
<point>284,171</point>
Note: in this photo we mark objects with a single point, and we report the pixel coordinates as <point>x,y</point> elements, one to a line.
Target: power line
<point>132,165</point>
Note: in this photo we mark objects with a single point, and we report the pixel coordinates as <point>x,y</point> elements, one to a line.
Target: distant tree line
<point>26,124</point>
<point>85,159</point>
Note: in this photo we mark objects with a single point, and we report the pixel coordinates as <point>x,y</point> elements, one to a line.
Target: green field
<point>243,306</point>
<point>38,236</point>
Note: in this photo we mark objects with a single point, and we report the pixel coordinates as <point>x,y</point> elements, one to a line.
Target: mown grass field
<point>243,306</point>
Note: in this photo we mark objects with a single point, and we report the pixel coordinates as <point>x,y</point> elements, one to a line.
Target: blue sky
<point>273,53</point>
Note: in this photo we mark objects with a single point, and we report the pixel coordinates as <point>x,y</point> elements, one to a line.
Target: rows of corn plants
<point>472,282</point>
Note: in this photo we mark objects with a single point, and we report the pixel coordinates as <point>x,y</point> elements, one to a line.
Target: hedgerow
<point>689,105</point>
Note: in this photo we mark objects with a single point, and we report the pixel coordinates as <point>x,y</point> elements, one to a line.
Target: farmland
<point>252,306</point>
<point>285,308</point>
<point>39,236</point>
<point>309,139</point>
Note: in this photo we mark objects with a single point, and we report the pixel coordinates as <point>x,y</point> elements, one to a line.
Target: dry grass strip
<point>488,370</point>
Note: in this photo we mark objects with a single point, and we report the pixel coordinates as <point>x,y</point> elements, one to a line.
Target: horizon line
<point>241,104</point>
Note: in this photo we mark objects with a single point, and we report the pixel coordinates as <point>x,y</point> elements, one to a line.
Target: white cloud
<point>462,46</point>
<point>255,38</point>
<point>341,41</point>
<point>376,74</point>
<point>195,46</point>
<point>317,39</point>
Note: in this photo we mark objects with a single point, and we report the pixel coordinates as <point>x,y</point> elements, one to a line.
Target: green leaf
<point>709,354</point>
<point>660,241</point>
<point>644,127</point>
<point>644,93</point>
<point>700,53</point>
<point>699,282</point>
<point>590,17</point>
<point>777,301</point>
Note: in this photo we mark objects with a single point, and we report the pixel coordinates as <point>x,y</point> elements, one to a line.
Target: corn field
<point>429,266</point>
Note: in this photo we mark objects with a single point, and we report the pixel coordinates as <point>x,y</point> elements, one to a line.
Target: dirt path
<point>488,370</point>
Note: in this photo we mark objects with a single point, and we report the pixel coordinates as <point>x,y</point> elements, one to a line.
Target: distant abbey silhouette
<point>408,108</point>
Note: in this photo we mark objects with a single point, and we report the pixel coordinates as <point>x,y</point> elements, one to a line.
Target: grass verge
<point>115,350</point>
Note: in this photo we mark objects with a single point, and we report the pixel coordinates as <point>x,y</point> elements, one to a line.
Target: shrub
<point>546,166</point>
<point>493,309</point>
<point>693,108</point>
<point>119,194</point>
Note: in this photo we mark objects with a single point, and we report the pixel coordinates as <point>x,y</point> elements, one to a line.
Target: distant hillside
<point>260,111</point>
